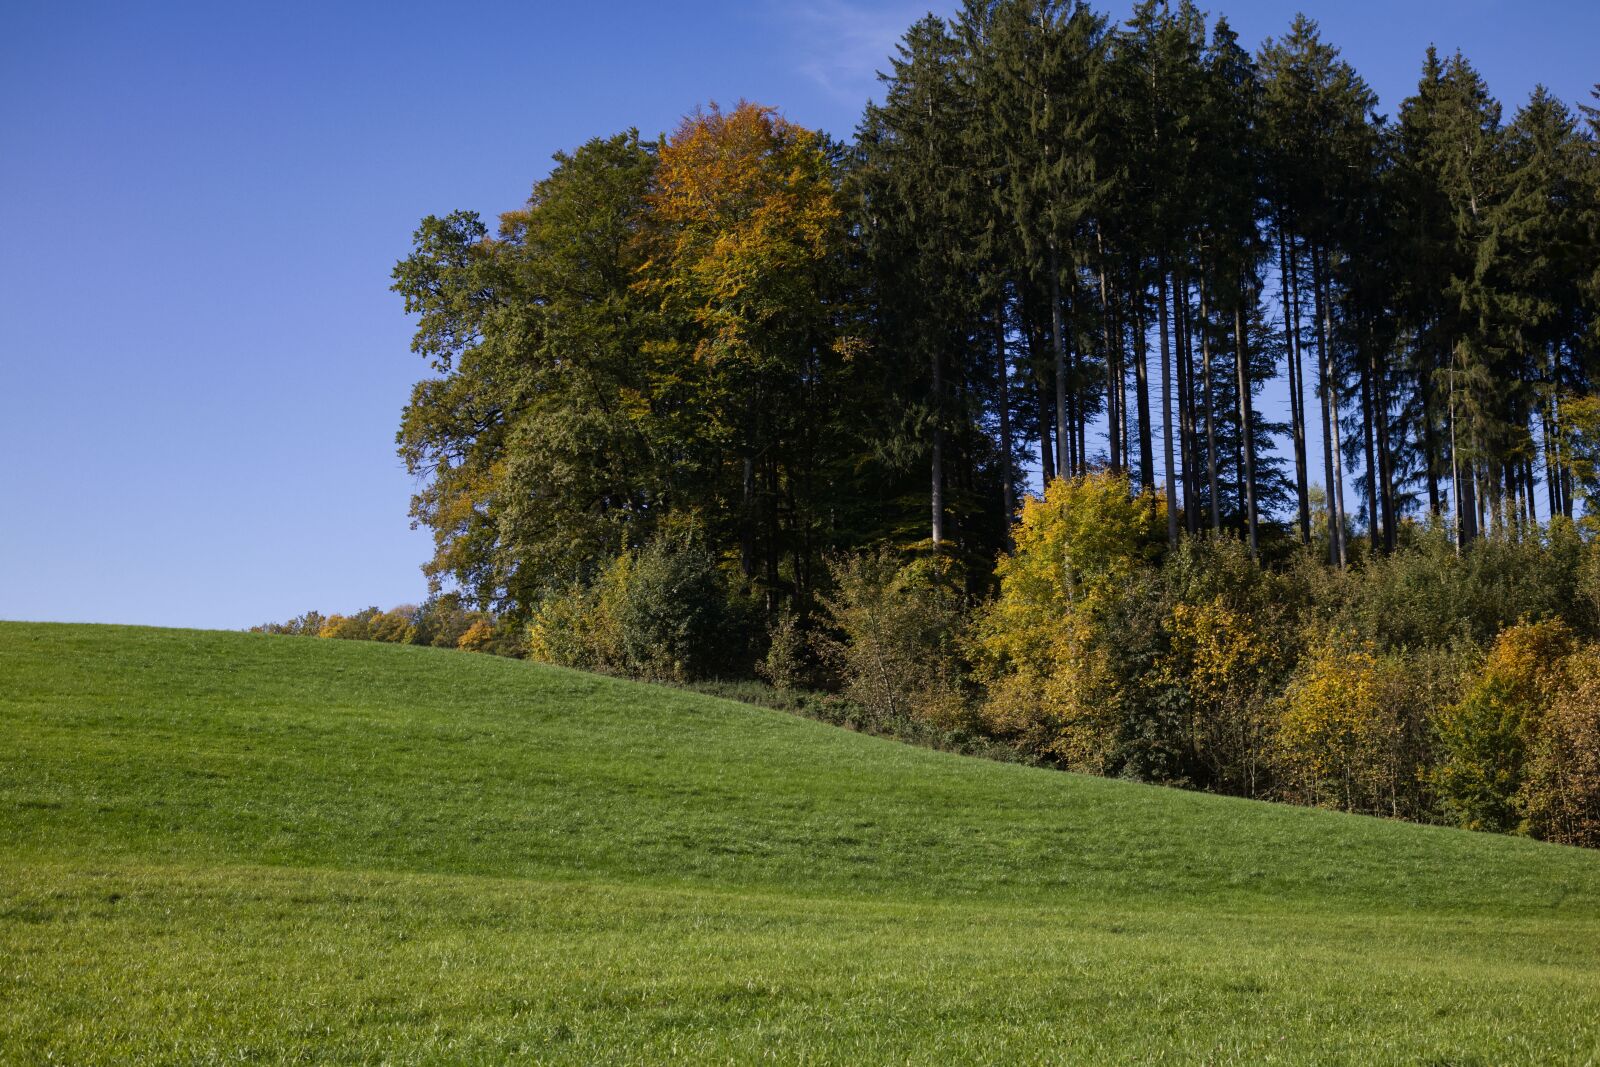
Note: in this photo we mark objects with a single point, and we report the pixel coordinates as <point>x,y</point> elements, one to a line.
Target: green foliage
<point>1562,795</point>
<point>1429,593</point>
<point>1484,738</point>
<point>307,625</point>
<point>809,350</point>
<point>892,634</point>
<point>443,622</point>
<point>660,612</point>
<point>785,664</point>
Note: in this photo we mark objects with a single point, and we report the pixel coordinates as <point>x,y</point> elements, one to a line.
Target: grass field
<point>228,848</point>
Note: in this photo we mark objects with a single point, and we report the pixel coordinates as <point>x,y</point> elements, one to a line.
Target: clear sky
<point>201,366</point>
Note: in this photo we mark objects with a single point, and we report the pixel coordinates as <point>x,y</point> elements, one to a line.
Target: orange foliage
<point>478,638</point>
<point>744,207</point>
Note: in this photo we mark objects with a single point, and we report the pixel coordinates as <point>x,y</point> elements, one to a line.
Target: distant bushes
<point>440,622</point>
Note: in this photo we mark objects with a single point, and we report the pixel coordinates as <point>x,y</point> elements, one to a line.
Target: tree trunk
<point>1386,499</point>
<point>1113,452</point>
<point>1073,456</point>
<point>1374,533</point>
<point>1332,467</point>
<point>1058,341</point>
<point>1121,350</point>
<point>1241,373</point>
<point>1288,271</point>
<point>1003,369</point>
<point>747,533</point>
<point>937,397</point>
<point>1188,467</point>
<point>1141,374</point>
<point>1166,411</point>
<point>1552,476</point>
<point>1211,430</point>
<point>1530,482</point>
<point>774,532</point>
<point>1430,439</point>
<point>1047,459</point>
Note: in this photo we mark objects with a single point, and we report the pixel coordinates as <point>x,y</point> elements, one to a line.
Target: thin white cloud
<point>841,45</point>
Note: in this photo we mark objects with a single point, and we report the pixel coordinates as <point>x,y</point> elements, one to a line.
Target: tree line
<point>695,382</point>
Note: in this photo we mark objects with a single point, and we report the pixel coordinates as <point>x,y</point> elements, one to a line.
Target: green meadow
<point>239,848</point>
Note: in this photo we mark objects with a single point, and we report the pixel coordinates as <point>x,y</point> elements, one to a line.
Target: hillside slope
<point>224,846</point>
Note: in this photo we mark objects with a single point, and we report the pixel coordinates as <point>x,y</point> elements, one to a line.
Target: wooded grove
<point>746,397</point>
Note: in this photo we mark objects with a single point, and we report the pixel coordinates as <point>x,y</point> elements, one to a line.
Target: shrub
<point>661,612</point>
<point>308,625</point>
<point>1347,733</point>
<point>573,627</point>
<point>442,620</point>
<point>1562,793</point>
<point>479,637</point>
<point>784,665</point>
<point>357,627</point>
<point>1228,641</point>
<point>672,611</point>
<point>1224,665</point>
<point>1044,646</point>
<point>1484,736</point>
<point>894,634</point>
<point>1428,594</point>
<point>395,626</point>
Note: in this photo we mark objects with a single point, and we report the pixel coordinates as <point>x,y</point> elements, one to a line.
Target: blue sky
<point>200,204</point>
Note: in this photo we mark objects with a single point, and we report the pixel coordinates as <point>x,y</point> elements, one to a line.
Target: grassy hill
<point>234,847</point>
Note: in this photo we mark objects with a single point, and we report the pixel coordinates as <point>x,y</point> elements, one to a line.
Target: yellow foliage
<point>581,627</point>
<point>1215,650</point>
<point>1527,659</point>
<point>1337,730</point>
<point>1062,699</point>
<point>1221,659</point>
<point>1563,790</point>
<point>346,628</point>
<point>1039,644</point>
<point>394,627</point>
<point>479,637</point>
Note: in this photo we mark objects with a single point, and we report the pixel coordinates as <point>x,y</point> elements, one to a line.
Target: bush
<point>1224,665</point>
<point>395,626</point>
<point>673,615</point>
<point>308,625</point>
<point>784,665</point>
<point>1428,594</point>
<point>1562,793</point>
<point>442,620</point>
<point>1047,649</point>
<point>1348,735</point>
<point>1484,737</point>
<point>893,639</point>
<point>357,627</point>
<point>661,613</point>
<point>478,638</point>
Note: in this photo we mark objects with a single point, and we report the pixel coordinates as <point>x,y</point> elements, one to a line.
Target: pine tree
<point>1317,117</point>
